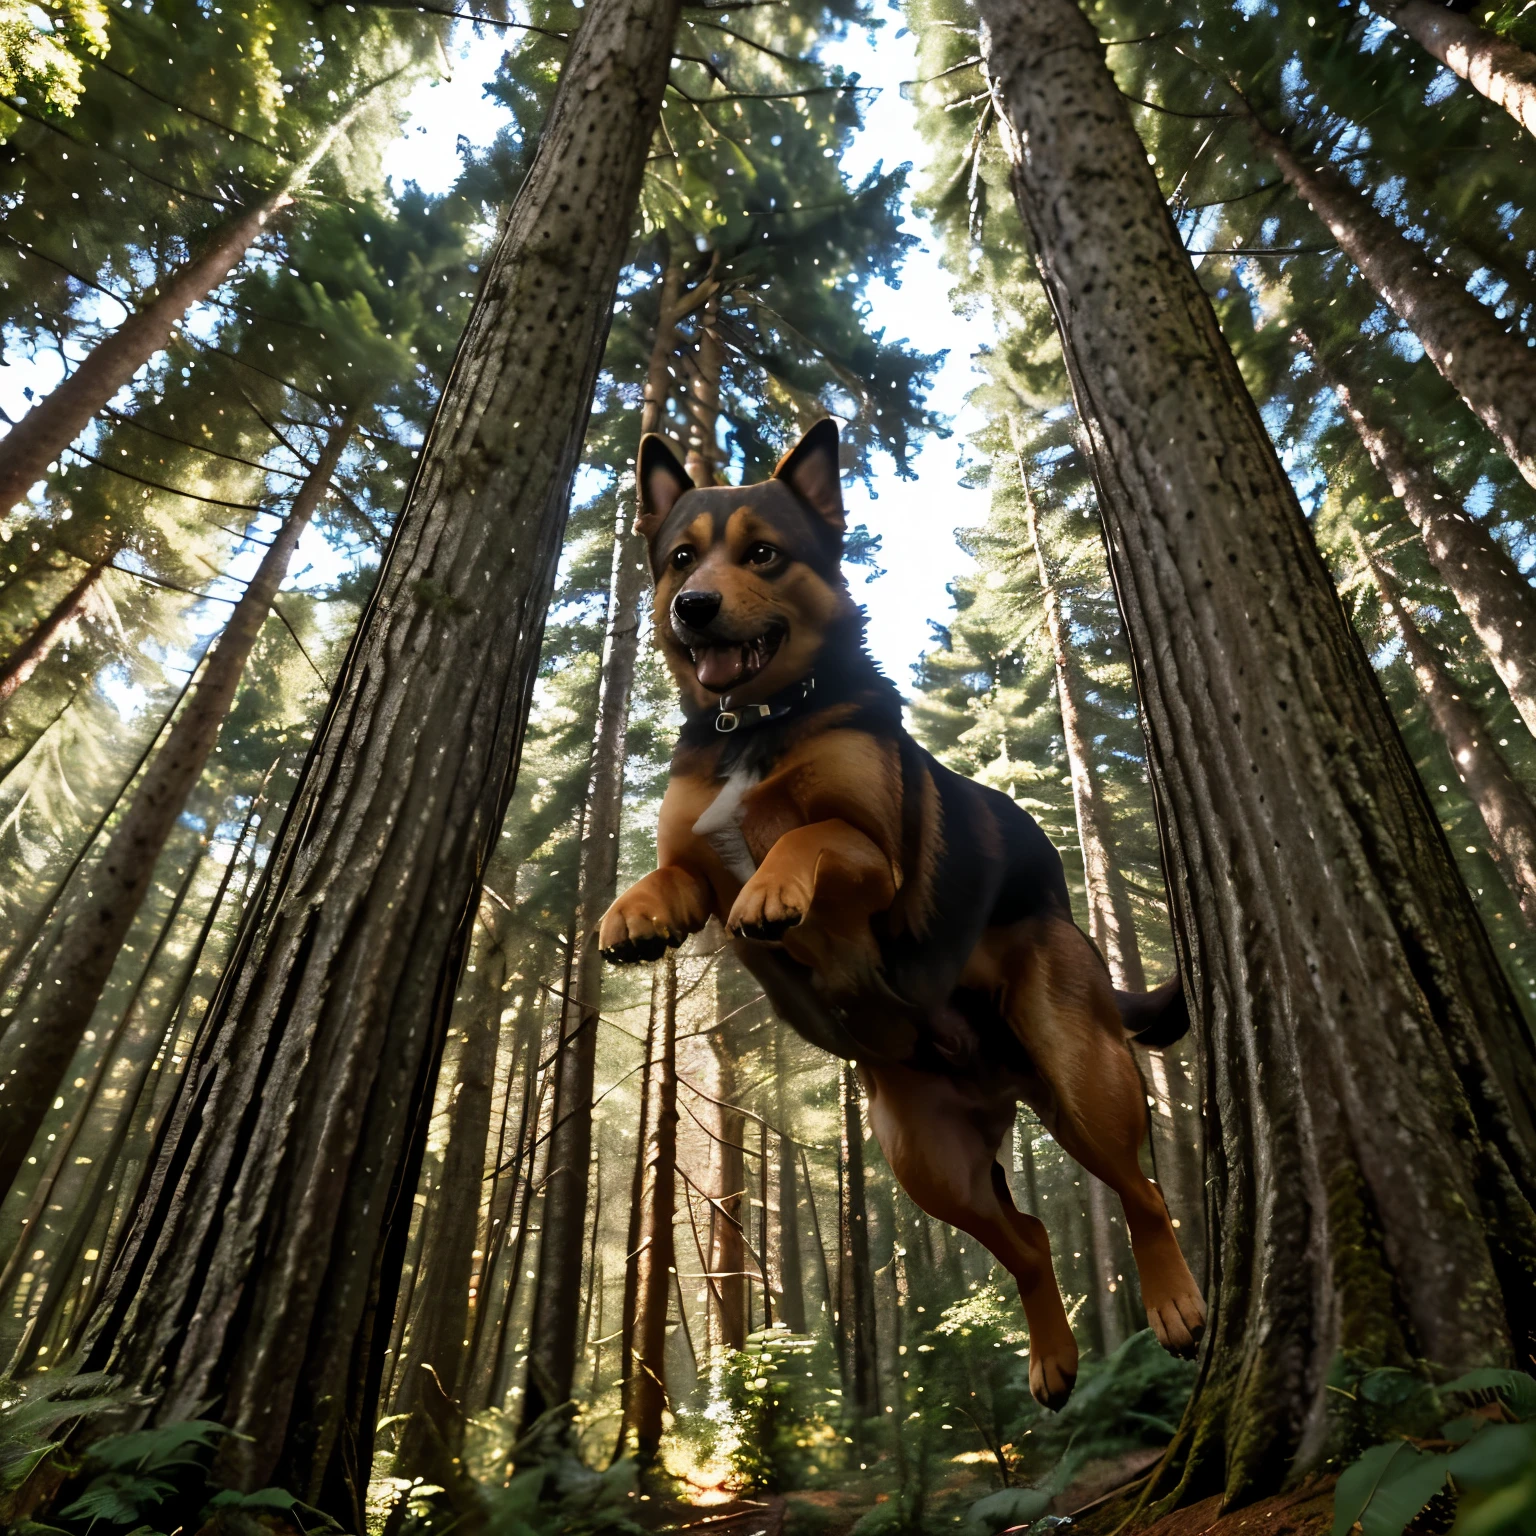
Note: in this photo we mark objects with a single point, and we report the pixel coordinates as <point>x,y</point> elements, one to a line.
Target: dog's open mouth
<point>723,667</point>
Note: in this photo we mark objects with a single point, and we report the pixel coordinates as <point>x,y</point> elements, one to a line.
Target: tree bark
<point>856,1301</point>
<point>1493,66</point>
<point>66,411</point>
<point>54,626</point>
<point>1501,800</point>
<point>434,1359</point>
<point>553,1330</point>
<point>55,1012</point>
<point>1499,603</point>
<point>634,1234</point>
<point>1488,365</point>
<point>657,1262</point>
<point>1352,1014</point>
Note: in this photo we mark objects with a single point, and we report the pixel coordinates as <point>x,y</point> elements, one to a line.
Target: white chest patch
<point>720,825</point>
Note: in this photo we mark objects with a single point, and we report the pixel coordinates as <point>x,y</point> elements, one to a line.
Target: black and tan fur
<point>896,914</point>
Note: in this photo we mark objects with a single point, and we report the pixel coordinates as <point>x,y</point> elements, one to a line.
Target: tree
<point>340,992</point>
<point>1495,66</point>
<point>647,1391</point>
<point>1497,600</point>
<point>1501,800</point>
<point>36,1050</point>
<point>1280,775</point>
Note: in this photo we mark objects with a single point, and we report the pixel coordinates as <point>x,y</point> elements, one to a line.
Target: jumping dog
<point>896,914</point>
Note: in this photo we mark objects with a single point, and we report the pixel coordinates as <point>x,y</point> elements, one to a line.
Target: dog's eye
<point>762,554</point>
<point>682,558</point>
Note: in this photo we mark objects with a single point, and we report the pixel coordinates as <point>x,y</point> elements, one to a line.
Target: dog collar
<point>783,703</point>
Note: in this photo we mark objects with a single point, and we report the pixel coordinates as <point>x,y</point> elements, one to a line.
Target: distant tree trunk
<point>53,1015</point>
<point>30,948</point>
<point>648,1391</point>
<point>1349,1005</point>
<point>791,1260</point>
<point>1501,800</point>
<point>1111,922</point>
<point>16,668</point>
<point>553,1347</point>
<point>495,1282</point>
<point>431,1370</point>
<point>90,1114</point>
<point>727,1250</point>
<point>303,1137</point>
<point>1498,601</point>
<point>634,1234</point>
<point>703,457</point>
<point>828,1295</point>
<point>1488,365</point>
<point>856,1301</point>
<point>61,415</point>
<point>1493,66</point>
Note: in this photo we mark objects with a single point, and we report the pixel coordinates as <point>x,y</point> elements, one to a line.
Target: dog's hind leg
<point>1059,1002</point>
<point>943,1151</point>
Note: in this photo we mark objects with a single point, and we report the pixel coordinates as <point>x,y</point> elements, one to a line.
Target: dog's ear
<point>810,470</point>
<point>659,481</point>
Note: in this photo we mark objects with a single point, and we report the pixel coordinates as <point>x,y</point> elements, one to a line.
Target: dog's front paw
<point>651,917</point>
<point>767,909</point>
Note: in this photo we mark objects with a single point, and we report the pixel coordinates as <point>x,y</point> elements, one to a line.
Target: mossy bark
<point>1351,1011</point>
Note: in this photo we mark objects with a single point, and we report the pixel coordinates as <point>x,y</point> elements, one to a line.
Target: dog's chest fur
<point>720,825</point>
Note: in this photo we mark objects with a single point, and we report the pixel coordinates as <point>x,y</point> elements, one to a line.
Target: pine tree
<point>1250,681</point>
<point>484,517</point>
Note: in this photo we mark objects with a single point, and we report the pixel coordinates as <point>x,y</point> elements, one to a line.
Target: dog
<point>896,914</point>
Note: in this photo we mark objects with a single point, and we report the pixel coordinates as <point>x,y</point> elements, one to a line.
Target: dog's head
<point>748,579</point>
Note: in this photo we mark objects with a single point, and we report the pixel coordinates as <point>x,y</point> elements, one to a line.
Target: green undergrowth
<point>145,1482</point>
<point>962,1446</point>
<point>1470,1444</point>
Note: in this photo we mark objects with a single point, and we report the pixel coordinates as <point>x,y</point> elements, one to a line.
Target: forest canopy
<point>342,1184</point>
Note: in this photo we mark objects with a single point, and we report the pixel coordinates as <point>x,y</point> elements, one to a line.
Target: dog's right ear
<point>659,481</point>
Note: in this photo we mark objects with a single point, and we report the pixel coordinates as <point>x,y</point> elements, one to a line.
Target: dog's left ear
<point>659,481</point>
<point>810,470</point>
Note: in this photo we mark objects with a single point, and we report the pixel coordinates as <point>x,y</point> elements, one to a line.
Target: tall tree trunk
<point>434,1359</point>
<point>1352,1014</point>
<point>791,1258</point>
<point>1498,601</point>
<point>56,420</point>
<point>1111,921</point>
<point>857,1300</point>
<point>1488,365</point>
<point>648,1391</point>
<point>727,1246</point>
<point>56,1010</point>
<point>53,627</point>
<point>829,1299</point>
<point>634,1234</point>
<point>303,1137</point>
<point>1501,800</point>
<point>703,457</point>
<point>553,1348</point>
<point>1493,66</point>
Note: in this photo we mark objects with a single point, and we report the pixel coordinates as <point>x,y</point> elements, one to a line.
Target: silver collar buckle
<point>729,720</point>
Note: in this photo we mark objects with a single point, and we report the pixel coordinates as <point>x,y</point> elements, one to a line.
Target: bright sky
<point>916,518</point>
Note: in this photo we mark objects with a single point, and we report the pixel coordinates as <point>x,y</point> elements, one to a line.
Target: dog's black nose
<point>696,609</point>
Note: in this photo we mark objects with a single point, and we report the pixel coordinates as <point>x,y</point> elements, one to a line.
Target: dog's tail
<point>1156,1018</point>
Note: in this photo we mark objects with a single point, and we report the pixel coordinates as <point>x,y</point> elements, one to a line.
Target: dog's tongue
<point>718,666</point>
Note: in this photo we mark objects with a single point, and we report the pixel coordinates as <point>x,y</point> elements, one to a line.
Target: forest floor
<point>1307,1511</point>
